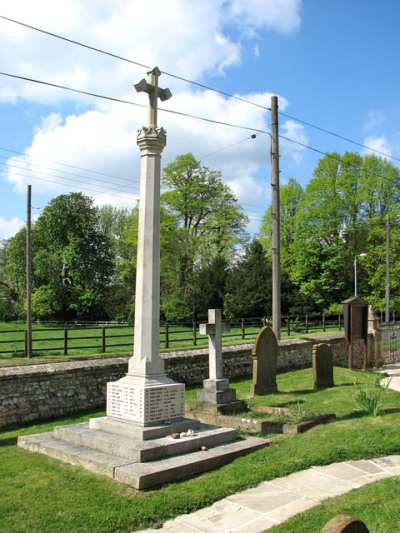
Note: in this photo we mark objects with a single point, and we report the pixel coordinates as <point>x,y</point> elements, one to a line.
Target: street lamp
<point>355,272</point>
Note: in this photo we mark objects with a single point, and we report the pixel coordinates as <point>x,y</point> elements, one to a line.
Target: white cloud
<point>280,15</point>
<point>374,119</point>
<point>294,147</point>
<point>8,228</point>
<point>183,41</point>
<point>379,146</point>
<point>86,133</point>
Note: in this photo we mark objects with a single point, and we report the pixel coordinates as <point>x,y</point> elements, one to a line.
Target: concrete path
<point>393,372</point>
<point>272,502</point>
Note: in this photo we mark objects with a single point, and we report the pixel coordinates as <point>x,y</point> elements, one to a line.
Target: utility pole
<point>28,342</point>
<point>387,293</point>
<point>276,230</point>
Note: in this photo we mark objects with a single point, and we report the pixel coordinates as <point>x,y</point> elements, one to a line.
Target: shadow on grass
<point>362,414</point>
<point>11,441</point>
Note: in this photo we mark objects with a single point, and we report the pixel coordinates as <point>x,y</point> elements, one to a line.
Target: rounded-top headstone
<point>345,524</point>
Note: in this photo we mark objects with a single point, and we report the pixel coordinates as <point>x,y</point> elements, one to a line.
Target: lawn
<point>54,343</point>
<point>42,495</point>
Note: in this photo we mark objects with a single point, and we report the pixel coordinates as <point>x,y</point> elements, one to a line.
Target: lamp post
<point>355,272</point>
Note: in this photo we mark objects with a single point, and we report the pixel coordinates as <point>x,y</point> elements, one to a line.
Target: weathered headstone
<point>216,390</point>
<point>345,524</point>
<point>322,363</point>
<point>264,355</point>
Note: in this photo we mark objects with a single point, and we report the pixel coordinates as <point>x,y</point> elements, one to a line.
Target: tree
<point>72,260</point>
<point>291,195</point>
<point>121,225</point>
<point>249,287</point>
<point>209,224</point>
<point>343,213</point>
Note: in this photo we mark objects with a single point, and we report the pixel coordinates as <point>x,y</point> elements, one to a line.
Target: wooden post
<point>166,335</point>
<point>276,237</point>
<point>103,339</point>
<point>65,341</point>
<point>28,275</point>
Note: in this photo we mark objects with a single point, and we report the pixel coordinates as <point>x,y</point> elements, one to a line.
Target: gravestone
<point>264,355</point>
<point>216,391</point>
<point>345,524</point>
<point>322,363</point>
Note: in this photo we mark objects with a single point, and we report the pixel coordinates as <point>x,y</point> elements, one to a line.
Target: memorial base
<point>146,401</point>
<point>216,392</point>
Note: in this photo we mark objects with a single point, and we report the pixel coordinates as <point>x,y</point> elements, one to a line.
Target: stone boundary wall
<point>44,391</point>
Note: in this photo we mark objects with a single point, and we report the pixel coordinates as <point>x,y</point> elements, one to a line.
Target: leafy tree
<point>249,287</point>
<point>342,214</point>
<point>209,224</point>
<point>72,260</point>
<point>291,196</point>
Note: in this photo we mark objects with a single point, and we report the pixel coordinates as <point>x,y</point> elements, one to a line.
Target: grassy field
<point>49,341</point>
<point>41,495</point>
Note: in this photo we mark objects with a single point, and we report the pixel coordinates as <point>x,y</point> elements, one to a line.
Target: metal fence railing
<point>391,342</point>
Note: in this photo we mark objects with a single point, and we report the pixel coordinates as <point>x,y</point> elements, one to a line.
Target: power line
<point>339,136</point>
<point>118,100</point>
<point>115,56</point>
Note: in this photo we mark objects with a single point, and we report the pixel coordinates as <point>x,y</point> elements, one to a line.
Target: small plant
<point>370,399</point>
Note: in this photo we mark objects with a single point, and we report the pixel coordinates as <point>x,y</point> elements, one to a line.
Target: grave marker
<point>264,355</point>
<point>322,363</point>
<point>216,390</point>
<point>345,524</point>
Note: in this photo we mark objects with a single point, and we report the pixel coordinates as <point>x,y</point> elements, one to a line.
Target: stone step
<point>143,451</point>
<point>74,454</point>
<point>135,474</point>
<point>147,475</point>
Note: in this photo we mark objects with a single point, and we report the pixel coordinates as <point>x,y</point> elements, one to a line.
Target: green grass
<point>48,341</point>
<point>377,505</point>
<point>41,495</point>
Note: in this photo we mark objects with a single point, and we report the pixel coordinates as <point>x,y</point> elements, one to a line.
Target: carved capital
<point>151,137</point>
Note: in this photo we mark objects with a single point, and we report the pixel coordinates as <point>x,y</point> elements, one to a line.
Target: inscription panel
<point>145,404</point>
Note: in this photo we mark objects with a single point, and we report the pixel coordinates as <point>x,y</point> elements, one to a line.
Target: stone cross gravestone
<point>264,355</point>
<point>322,363</point>
<point>216,390</point>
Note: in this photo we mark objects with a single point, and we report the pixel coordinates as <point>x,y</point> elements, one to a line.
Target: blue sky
<point>333,64</point>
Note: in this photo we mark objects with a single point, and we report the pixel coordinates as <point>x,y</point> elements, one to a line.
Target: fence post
<point>26,342</point>
<point>323,322</point>
<point>194,333</point>
<point>339,321</point>
<point>166,325</point>
<point>243,329</point>
<point>103,339</point>
<point>65,341</point>
<point>306,324</point>
<point>288,326</point>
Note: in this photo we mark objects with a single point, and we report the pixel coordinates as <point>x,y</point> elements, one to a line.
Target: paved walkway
<point>272,502</point>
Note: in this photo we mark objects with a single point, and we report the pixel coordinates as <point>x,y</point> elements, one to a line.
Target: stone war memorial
<point>145,440</point>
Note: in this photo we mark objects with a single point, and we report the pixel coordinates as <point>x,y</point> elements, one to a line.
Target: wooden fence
<point>103,337</point>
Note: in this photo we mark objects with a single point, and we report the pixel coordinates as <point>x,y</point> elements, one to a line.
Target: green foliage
<point>208,226</point>
<point>249,287</point>
<point>370,399</point>
<point>342,213</point>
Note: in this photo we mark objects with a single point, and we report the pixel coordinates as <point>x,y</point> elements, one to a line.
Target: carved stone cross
<point>151,87</point>
<point>214,330</point>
